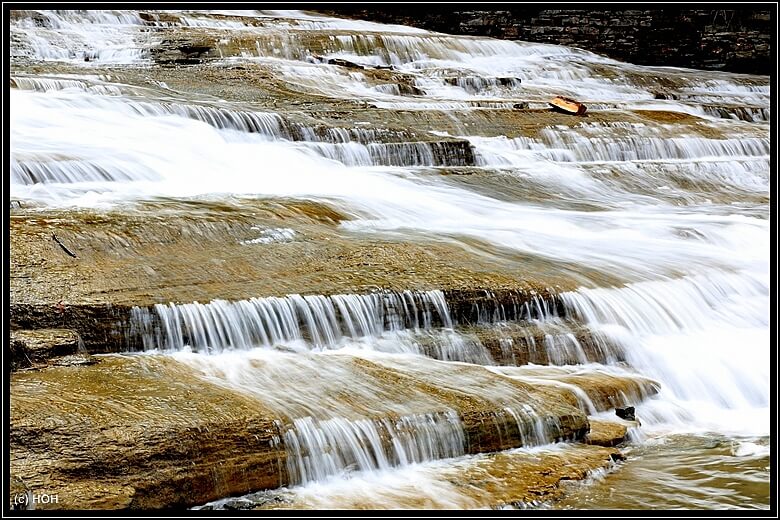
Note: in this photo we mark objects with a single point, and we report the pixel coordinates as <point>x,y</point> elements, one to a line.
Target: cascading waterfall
<point>318,450</point>
<point>703,337</point>
<point>108,37</point>
<point>322,320</point>
<point>655,215</point>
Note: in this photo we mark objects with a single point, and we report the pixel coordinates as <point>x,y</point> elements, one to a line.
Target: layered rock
<point>149,432</point>
<point>735,40</point>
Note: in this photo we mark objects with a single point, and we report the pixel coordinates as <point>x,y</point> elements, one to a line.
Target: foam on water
<point>199,159</point>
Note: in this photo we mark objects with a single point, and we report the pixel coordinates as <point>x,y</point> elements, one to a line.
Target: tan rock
<point>605,433</point>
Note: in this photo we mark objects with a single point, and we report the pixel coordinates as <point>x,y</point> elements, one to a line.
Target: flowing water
<point>662,204</point>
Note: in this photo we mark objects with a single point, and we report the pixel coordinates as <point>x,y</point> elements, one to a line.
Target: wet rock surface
<point>118,435</point>
<point>32,347</point>
<point>732,40</point>
<point>183,252</point>
<point>605,433</point>
<point>508,480</point>
<point>131,251</point>
<point>147,432</point>
<point>420,304</point>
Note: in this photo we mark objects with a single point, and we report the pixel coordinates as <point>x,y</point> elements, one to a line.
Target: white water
<point>323,321</point>
<point>705,338</point>
<point>676,216</point>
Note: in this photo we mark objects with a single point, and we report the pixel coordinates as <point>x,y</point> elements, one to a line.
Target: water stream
<point>674,209</point>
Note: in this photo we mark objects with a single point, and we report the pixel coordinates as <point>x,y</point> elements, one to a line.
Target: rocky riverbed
<point>258,259</point>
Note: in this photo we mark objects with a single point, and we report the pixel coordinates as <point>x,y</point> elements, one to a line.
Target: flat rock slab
<point>122,434</point>
<point>605,433</point>
<point>151,431</point>
<point>183,252</point>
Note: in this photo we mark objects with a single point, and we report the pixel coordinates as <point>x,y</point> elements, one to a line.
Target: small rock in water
<point>628,413</point>
<point>665,95</point>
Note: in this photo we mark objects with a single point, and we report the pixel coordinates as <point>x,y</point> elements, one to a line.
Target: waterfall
<point>321,320</point>
<point>319,449</point>
<point>441,265</point>
<point>702,337</point>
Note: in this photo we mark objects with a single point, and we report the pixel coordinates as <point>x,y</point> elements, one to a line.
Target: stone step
<point>516,479</point>
<point>150,432</point>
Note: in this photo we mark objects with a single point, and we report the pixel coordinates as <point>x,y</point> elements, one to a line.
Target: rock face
<point>733,40</point>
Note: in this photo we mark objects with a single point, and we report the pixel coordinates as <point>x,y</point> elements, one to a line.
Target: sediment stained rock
<point>148,432</point>
<point>116,435</point>
<point>605,433</point>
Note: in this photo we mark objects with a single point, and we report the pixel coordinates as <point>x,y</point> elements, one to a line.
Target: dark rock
<point>30,347</point>
<point>628,413</point>
<point>693,38</point>
<point>410,90</point>
<point>18,356</point>
<point>617,457</point>
<point>509,82</point>
<point>41,20</point>
<point>344,63</point>
<point>159,17</point>
<point>184,50</point>
<point>100,326</point>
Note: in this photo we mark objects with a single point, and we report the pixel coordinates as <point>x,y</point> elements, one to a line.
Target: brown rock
<point>118,435</point>
<point>605,433</point>
<point>30,347</point>
<point>150,432</point>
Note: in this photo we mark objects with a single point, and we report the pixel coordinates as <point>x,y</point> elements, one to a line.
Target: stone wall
<point>735,40</point>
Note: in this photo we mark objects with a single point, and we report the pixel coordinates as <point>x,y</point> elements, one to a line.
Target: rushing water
<point>678,212</point>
